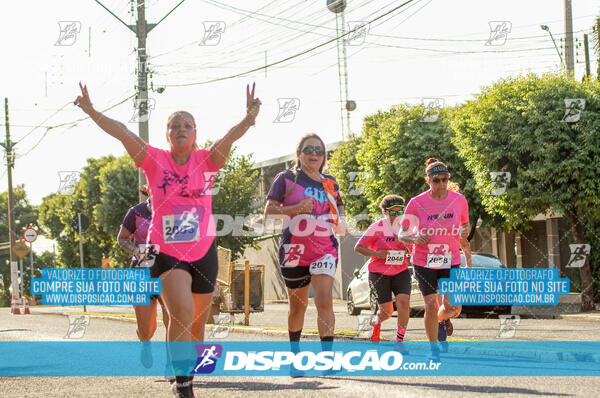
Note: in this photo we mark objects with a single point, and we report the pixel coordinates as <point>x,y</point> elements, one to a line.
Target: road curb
<point>209,326</point>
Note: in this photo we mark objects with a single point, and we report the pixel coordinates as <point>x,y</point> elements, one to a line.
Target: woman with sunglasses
<point>310,204</point>
<point>434,222</point>
<point>182,226</point>
<point>388,267</point>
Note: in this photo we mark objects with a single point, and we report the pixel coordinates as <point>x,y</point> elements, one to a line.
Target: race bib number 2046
<point>395,257</point>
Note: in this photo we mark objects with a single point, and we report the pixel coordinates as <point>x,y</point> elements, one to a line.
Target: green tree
<point>517,125</point>
<point>391,153</point>
<point>118,184</point>
<point>236,196</point>
<point>25,216</point>
<point>57,211</point>
<point>350,177</point>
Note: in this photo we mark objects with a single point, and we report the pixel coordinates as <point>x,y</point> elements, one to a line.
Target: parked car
<point>361,297</point>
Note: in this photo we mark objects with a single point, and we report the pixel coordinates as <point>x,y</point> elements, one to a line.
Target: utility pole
<point>141,30</point>
<point>598,38</point>
<point>586,48</point>
<point>8,147</point>
<point>569,56</point>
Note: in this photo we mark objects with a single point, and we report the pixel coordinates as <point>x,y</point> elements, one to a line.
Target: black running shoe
<point>183,390</point>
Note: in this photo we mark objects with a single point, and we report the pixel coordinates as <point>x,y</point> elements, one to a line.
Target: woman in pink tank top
<point>182,231</point>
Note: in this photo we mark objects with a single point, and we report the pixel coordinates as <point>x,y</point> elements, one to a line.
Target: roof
<point>290,157</point>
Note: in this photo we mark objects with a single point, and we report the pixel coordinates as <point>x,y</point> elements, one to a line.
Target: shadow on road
<point>258,386</point>
<point>450,387</point>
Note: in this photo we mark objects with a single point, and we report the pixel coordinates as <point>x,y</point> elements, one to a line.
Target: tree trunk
<point>585,272</point>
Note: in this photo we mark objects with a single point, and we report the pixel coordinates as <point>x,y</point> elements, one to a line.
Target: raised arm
<point>134,145</point>
<point>219,151</point>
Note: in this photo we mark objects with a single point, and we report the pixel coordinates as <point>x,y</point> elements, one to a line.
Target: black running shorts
<point>295,277</point>
<point>427,278</point>
<point>203,271</point>
<point>385,285</point>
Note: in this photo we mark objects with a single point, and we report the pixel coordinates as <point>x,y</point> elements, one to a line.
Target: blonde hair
<point>452,186</point>
<point>181,114</point>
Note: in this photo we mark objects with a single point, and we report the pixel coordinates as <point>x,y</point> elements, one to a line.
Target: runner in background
<point>135,227</point>
<point>308,250</point>
<point>435,221</point>
<point>180,183</point>
<point>388,266</point>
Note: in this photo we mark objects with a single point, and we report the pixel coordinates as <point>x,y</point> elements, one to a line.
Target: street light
<point>547,29</point>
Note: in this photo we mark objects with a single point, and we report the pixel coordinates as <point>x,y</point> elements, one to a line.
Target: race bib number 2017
<point>324,265</point>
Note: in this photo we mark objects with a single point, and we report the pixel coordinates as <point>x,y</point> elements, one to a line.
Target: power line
<point>70,125</point>
<point>39,125</point>
<point>288,58</point>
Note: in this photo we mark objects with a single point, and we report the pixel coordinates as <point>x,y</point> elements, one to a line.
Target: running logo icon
<point>141,110</point>
<point>292,253</point>
<point>67,182</point>
<point>68,33</point>
<point>508,326</point>
<point>210,178</point>
<point>579,253</point>
<point>212,33</point>
<point>287,110</point>
<point>148,254</point>
<point>500,180</point>
<point>353,178</point>
<point>184,225</point>
<point>207,358</point>
<point>77,326</point>
<point>499,31</point>
<point>364,325</point>
<point>574,108</point>
<point>438,248</point>
<point>222,326</point>
<point>431,110</point>
<point>358,33</point>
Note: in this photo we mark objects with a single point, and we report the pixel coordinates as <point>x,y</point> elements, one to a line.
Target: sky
<point>425,49</point>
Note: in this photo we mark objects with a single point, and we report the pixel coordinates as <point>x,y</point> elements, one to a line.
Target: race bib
<point>395,257</point>
<point>439,256</point>
<point>441,261</point>
<point>324,265</point>
<point>183,227</point>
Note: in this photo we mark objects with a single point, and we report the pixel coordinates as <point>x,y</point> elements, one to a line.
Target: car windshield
<point>482,261</point>
<point>364,268</point>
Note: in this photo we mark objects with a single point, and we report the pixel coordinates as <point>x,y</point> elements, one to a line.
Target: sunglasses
<point>307,150</point>
<point>396,212</point>
<point>438,180</point>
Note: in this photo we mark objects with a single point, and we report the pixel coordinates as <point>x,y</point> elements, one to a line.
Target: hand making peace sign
<point>252,104</point>
<point>83,101</point>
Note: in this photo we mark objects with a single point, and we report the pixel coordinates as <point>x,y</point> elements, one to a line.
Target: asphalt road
<point>577,327</point>
<point>51,327</point>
